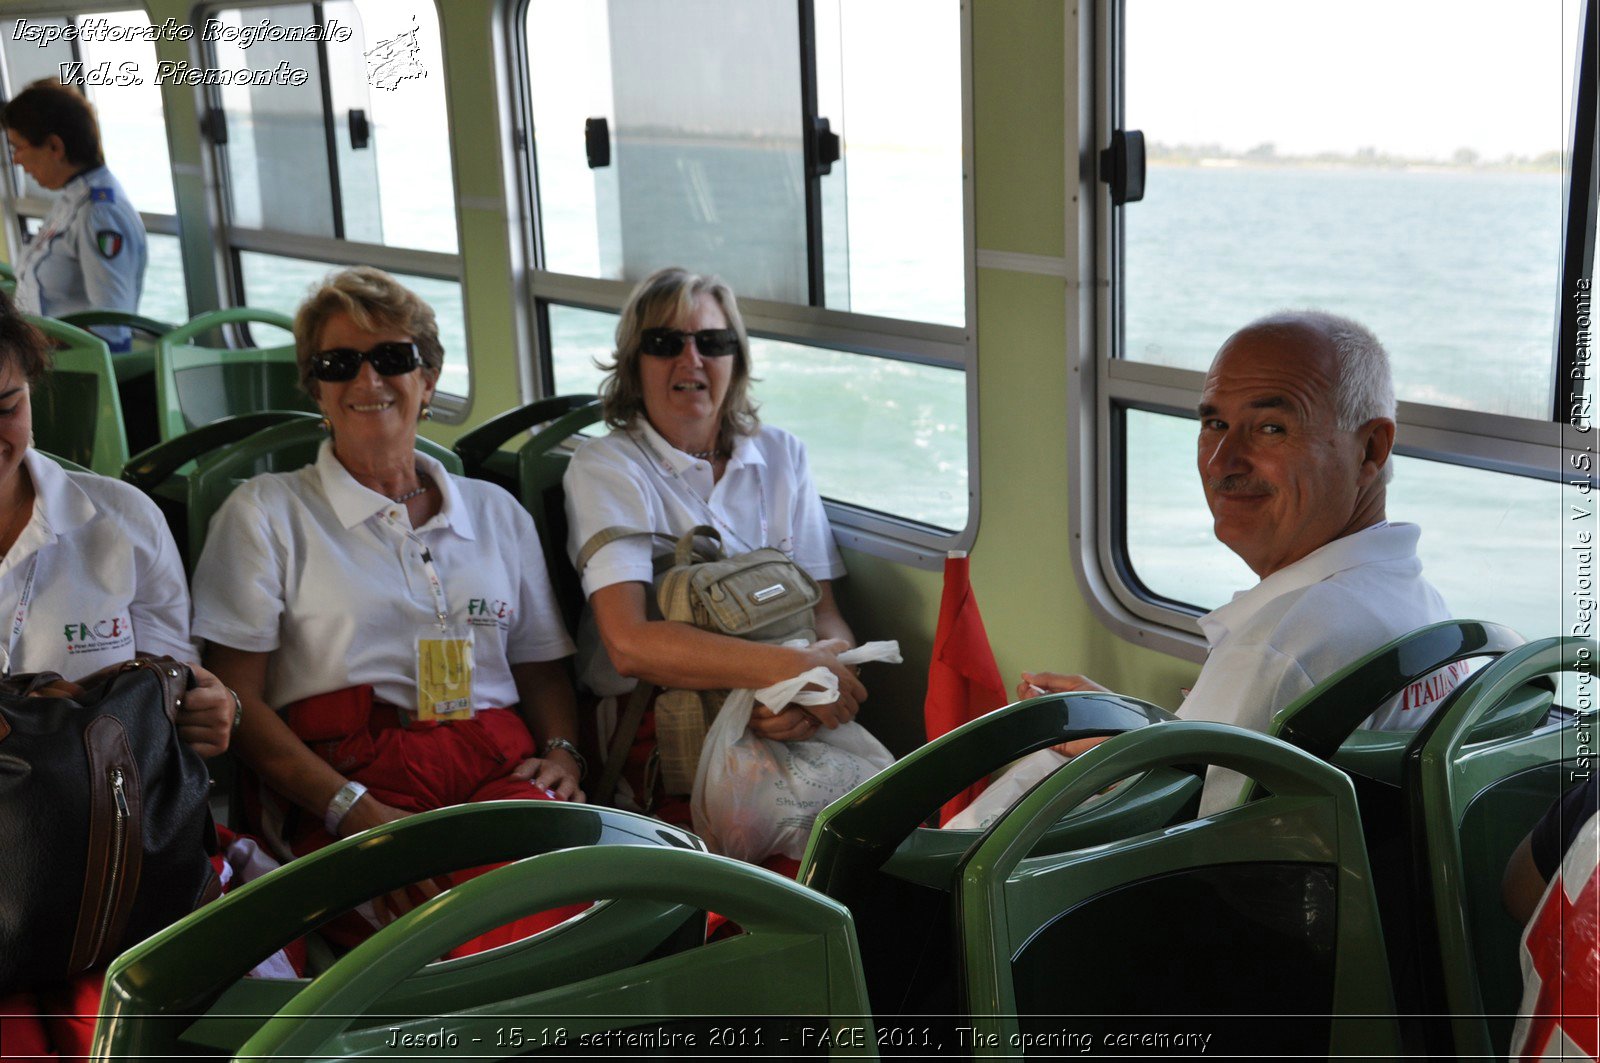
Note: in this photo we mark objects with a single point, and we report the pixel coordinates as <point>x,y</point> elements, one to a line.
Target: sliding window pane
<point>272,282</point>
<point>1469,517</point>
<point>1410,178</point>
<point>883,435</point>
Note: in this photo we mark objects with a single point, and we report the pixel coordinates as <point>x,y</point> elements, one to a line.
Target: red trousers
<point>417,769</point>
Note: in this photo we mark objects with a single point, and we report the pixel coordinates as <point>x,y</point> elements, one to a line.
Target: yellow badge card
<point>444,678</point>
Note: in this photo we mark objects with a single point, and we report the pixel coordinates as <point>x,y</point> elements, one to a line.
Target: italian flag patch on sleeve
<point>109,242</point>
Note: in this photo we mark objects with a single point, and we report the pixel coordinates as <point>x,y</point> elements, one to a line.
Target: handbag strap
<point>683,553</point>
<point>682,548</point>
<point>605,537</point>
<point>622,740</point>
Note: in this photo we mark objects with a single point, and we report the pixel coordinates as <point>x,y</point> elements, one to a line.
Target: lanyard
<point>441,605</point>
<point>21,614</point>
<point>658,462</point>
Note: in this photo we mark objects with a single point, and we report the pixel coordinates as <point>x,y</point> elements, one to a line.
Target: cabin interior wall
<point>1026,85</point>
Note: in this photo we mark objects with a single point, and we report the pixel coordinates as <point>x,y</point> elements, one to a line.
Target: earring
<point>427,412</point>
<point>326,425</point>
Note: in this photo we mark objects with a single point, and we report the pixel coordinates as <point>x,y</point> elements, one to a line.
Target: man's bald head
<point>1296,426</point>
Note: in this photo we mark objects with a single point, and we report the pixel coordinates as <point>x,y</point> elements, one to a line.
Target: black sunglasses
<point>390,358</point>
<point>668,342</point>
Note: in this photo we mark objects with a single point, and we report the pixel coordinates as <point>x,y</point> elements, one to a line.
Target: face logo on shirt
<point>487,612</point>
<point>109,241</point>
<point>93,636</point>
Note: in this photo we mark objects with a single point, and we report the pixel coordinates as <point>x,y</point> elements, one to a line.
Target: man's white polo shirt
<point>1300,625</point>
<point>634,478</point>
<point>109,580</point>
<point>318,570</point>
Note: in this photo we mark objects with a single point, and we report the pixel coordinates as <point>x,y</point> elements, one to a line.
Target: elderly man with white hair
<point>1296,429</point>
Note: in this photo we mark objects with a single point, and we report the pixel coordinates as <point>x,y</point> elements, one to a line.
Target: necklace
<point>703,455</point>
<point>420,489</point>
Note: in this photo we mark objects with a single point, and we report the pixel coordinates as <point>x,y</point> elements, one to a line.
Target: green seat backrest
<point>135,369</point>
<point>534,474</point>
<point>626,957</point>
<point>8,279</point>
<point>146,330</point>
<point>76,410</point>
<point>1325,721</point>
<point>1261,910</point>
<point>541,463</point>
<point>197,384</point>
<point>278,448</point>
<point>870,850</point>
<point>1472,799</point>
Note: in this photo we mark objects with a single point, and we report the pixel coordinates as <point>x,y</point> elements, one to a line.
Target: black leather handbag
<point>105,829</point>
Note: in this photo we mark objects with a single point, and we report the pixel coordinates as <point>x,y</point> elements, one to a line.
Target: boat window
<point>277,282</point>
<point>112,56</point>
<point>872,401</point>
<point>810,153</point>
<point>335,150</point>
<point>1419,180</point>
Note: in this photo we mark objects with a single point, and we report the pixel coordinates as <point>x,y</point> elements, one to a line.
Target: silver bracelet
<point>571,750</point>
<point>238,707</point>
<point>340,806</point>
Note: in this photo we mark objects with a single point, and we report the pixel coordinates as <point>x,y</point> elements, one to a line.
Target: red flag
<point>963,680</point>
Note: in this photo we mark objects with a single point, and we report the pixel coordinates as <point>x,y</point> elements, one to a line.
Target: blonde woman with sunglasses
<point>686,448</point>
<point>390,628</point>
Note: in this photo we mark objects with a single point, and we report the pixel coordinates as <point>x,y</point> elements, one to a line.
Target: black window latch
<point>1122,166</point>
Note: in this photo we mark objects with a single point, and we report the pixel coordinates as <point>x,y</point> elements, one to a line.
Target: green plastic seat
<point>623,963</point>
<point>225,454</point>
<point>534,474</point>
<point>1261,910</point>
<point>480,450</point>
<point>871,851</point>
<point>147,329</point>
<point>1326,722</point>
<point>1474,796</point>
<point>8,279</point>
<point>77,412</point>
<point>135,369</point>
<point>197,384</point>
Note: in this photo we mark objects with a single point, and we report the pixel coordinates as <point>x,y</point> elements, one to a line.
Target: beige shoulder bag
<point>760,595</point>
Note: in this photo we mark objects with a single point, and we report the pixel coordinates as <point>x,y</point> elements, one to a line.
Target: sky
<point>1416,78</point>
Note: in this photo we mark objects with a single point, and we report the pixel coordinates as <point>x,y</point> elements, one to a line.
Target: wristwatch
<point>340,806</point>
<point>569,747</point>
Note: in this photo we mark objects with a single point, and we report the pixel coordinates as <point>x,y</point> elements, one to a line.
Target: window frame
<point>229,239</point>
<point>923,343</point>
<point>1107,384</point>
<point>23,207</point>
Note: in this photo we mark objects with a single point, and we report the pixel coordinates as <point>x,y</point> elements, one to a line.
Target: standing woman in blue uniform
<point>91,251</point>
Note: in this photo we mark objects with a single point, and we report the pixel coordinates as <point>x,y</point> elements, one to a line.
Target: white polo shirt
<point>634,478</point>
<point>108,582</point>
<point>1297,627</point>
<point>319,571</point>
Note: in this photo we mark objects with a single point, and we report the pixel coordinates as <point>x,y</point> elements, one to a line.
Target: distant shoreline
<point>1257,159</point>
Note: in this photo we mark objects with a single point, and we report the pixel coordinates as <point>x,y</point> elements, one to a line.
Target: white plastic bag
<point>1023,775</point>
<point>753,797</point>
<point>998,797</point>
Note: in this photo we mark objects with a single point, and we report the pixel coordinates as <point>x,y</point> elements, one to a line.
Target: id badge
<point>444,676</point>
